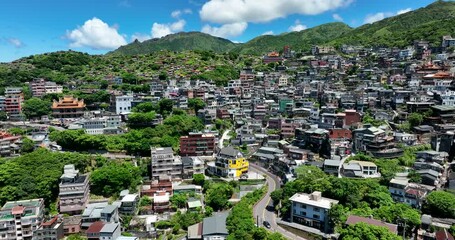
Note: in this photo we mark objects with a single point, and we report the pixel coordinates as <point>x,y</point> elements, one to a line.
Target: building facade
<point>68,107</point>
<point>163,163</point>
<point>311,210</point>
<point>197,144</point>
<point>123,103</point>
<point>19,219</point>
<point>230,163</point>
<point>50,230</point>
<point>73,191</point>
<point>14,99</point>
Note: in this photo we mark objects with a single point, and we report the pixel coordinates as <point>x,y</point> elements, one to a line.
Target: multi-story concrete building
<point>197,144</point>
<point>230,163</point>
<point>123,103</point>
<point>50,230</point>
<point>164,163</point>
<point>73,191</point>
<point>68,107</point>
<point>311,210</point>
<point>14,98</point>
<point>41,87</point>
<point>19,219</point>
<point>129,204</point>
<point>412,194</point>
<point>8,146</point>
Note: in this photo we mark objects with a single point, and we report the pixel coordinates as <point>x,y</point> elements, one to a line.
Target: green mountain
<point>428,23</point>
<point>177,42</point>
<point>296,40</point>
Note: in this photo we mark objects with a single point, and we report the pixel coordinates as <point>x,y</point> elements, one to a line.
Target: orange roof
<point>17,210</point>
<point>68,102</point>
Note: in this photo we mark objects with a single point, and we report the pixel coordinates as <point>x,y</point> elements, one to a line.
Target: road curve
<point>260,211</point>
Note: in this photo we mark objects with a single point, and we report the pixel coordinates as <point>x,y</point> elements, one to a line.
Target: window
<point>303,206</point>
<point>303,213</point>
<point>316,209</point>
<point>315,216</point>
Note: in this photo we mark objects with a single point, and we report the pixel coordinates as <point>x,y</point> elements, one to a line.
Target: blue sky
<point>96,26</point>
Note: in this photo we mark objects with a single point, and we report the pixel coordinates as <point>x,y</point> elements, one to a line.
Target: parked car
<point>266,224</point>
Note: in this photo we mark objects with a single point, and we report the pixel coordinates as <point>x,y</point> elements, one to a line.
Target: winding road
<point>225,136</point>
<point>260,211</point>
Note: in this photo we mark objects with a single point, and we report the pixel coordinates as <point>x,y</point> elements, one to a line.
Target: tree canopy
<point>17,183</point>
<point>440,204</point>
<point>114,177</point>
<point>364,231</point>
<point>35,108</point>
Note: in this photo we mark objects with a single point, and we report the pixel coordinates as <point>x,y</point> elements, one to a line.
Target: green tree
<point>140,119</point>
<point>414,176</point>
<point>217,196</point>
<point>162,76</point>
<point>196,104</point>
<point>104,84</point>
<point>395,213</point>
<point>208,211</point>
<point>165,106</point>
<point>199,179</point>
<point>114,177</point>
<point>75,237</point>
<point>440,204</point>
<point>16,182</point>
<point>27,145</point>
<point>364,231</point>
<point>3,116</point>
<point>35,108</point>
<point>145,201</point>
<point>145,107</point>
<point>415,119</point>
<point>338,214</point>
<point>179,200</point>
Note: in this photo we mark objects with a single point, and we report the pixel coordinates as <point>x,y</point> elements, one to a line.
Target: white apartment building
<point>19,219</point>
<point>123,103</point>
<point>311,210</point>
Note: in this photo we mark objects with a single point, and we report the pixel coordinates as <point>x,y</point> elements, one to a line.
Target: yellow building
<point>230,163</point>
<point>238,167</point>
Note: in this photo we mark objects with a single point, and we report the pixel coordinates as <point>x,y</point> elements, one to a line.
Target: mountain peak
<point>177,42</point>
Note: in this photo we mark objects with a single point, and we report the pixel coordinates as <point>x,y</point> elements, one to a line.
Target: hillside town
<point>316,145</point>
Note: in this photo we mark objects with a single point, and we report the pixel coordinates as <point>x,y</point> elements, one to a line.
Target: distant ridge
<point>177,42</point>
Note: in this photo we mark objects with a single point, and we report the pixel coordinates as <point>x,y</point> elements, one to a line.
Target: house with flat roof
<point>19,219</point>
<point>311,210</point>
<point>360,169</point>
<point>129,204</point>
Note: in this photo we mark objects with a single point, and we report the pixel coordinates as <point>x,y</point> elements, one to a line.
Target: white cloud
<point>404,11</point>
<point>297,27</point>
<point>163,29</point>
<point>95,34</point>
<point>17,43</point>
<point>371,18</point>
<point>235,11</point>
<point>337,17</point>
<point>140,37</point>
<point>226,30</point>
<point>178,13</point>
<point>268,33</point>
